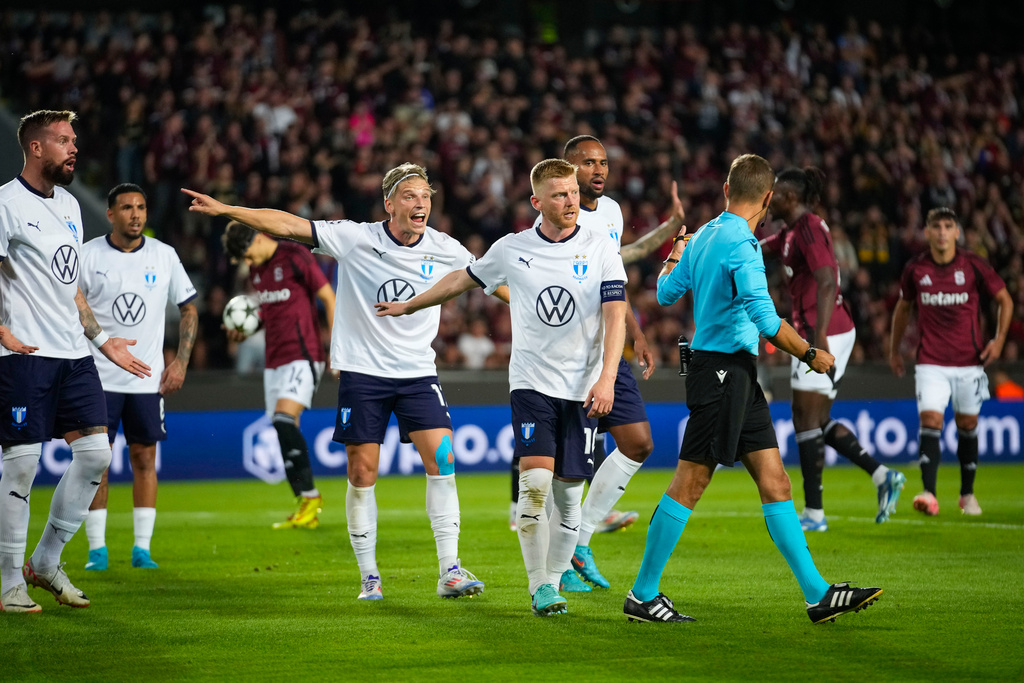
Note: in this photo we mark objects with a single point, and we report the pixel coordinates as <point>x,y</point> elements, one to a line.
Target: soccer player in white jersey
<point>54,390</point>
<point>387,366</point>
<point>567,287</point>
<point>128,278</point>
<point>627,422</point>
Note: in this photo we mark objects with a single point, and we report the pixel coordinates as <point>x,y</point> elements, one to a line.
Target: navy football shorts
<point>142,416</point>
<point>365,404</point>
<point>628,407</point>
<point>44,398</point>
<point>556,428</point>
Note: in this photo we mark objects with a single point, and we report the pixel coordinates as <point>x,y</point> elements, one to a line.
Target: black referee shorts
<point>728,412</point>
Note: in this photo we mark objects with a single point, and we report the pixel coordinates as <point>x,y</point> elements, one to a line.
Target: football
<point>242,313</point>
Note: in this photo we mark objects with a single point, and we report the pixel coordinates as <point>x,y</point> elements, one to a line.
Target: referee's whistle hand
<point>823,361</point>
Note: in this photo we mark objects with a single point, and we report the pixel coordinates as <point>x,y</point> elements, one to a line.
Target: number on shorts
<point>440,396</point>
<point>589,440</point>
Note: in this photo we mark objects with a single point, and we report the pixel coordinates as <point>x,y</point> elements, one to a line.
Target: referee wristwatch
<point>809,354</point>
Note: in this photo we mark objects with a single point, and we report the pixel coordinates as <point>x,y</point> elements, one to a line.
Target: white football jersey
<point>40,247</point>
<point>605,218</point>
<point>557,322</point>
<point>128,293</point>
<point>373,266</point>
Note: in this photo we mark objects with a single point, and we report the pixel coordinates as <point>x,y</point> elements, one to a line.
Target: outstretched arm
<point>654,239</point>
<point>270,221</point>
<point>174,373</point>
<point>448,287</point>
<point>114,348</point>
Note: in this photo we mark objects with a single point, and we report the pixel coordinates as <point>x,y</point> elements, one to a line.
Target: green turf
<point>235,600</point>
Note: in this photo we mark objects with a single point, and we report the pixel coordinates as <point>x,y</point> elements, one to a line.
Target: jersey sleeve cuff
<point>316,240</point>
<point>188,300</point>
<point>469,271</point>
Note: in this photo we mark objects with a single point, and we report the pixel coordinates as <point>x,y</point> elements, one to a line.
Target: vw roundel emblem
<point>555,306</point>
<point>395,290</point>
<point>65,264</point>
<point>129,309</point>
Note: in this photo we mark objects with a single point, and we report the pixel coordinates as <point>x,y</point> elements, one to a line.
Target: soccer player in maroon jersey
<point>287,280</point>
<point>822,318</point>
<point>947,285</point>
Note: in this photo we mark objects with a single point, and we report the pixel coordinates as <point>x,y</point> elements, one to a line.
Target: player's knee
<point>92,451</point>
<point>445,457</point>
<point>143,459</point>
<point>931,420</point>
<point>639,451</point>
<point>966,423</point>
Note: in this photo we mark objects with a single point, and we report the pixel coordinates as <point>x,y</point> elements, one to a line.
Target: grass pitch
<point>235,600</point>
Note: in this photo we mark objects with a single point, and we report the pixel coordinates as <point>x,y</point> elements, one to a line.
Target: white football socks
<point>532,524</point>
<point>605,490</point>
<point>96,528</point>
<point>144,519</point>
<point>72,498</point>
<point>564,526</point>
<point>15,488</point>
<point>443,511</point>
<point>361,510</point>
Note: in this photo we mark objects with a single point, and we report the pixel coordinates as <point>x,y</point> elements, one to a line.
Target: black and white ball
<point>242,313</point>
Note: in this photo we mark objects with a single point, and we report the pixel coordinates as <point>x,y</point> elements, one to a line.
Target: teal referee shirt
<point>722,264</point>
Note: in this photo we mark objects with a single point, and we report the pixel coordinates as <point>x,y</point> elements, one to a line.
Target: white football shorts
<point>840,346</point>
<point>936,384</point>
<point>296,381</point>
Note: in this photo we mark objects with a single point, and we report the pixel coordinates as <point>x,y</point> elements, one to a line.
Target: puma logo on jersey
<point>103,273</point>
<point>379,252</point>
<point>721,375</point>
<point>35,225</point>
<point>525,261</point>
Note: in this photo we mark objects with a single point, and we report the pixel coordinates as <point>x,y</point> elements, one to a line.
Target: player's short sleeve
<point>490,270</point>
<point>990,280</point>
<point>463,257</point>
<point>8,224</point>
<point>181,291</point>
<point>611,263</point>
<point>814,243</point>
<point>336,238</point>
<point>908,285</point>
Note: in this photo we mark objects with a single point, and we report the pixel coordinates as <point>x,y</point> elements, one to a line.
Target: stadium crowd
<point>305,112</point>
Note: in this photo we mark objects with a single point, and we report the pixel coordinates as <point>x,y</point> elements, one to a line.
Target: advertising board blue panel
<point>241,444</point>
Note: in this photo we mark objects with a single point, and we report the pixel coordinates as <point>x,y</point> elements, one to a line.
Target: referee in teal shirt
<point>729,418</point>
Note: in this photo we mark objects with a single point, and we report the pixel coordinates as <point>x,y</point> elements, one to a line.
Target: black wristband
<point>671,260</point>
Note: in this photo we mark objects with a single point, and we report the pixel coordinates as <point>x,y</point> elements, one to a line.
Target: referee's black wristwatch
<point>809,354</point>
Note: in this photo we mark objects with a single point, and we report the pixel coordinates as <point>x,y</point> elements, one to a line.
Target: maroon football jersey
<point>948,299</point>
<point>805,247</point>
<point>287,285</point>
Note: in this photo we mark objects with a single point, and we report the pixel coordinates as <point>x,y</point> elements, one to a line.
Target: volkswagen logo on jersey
<point>344,415</point>
<point>65,264</point>
<point>579,267</point>
<point>395,290</point>
<point>427,268</point>
<point>19,413</point>
<point>555,306</point>
<point>150,278</point>
<point>526,428</point>
<point>129,309</point>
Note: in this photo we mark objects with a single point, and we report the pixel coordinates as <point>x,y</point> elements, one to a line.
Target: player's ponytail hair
<point>809,183</point>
